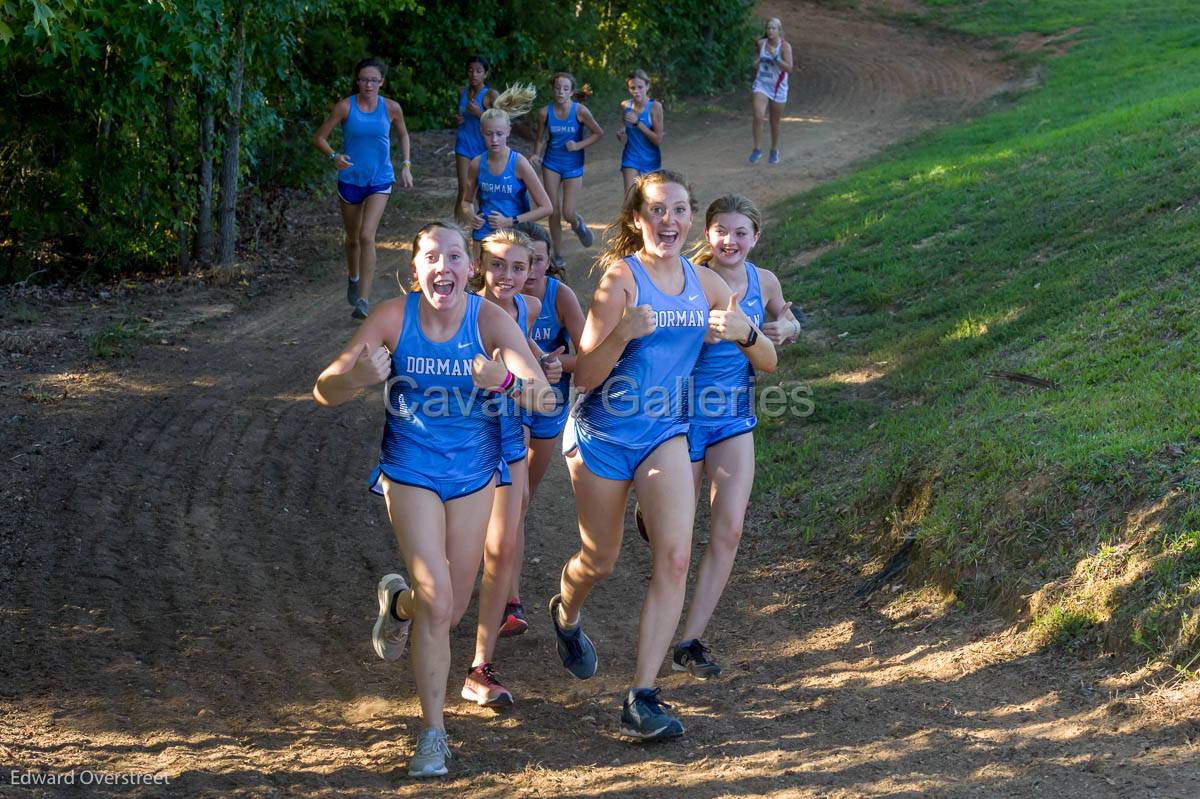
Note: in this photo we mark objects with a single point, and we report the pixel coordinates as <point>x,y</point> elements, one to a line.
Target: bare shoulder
<point>534,308</point>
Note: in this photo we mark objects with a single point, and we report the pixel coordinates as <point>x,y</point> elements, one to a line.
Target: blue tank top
<point>439,424</point>
<point>640,153</point>
<point>365,138</point>
<point>512,432</point>
<point>557,157</point>
<point>549,333</point>
<point>646,395</point>
<point>504,192</point>
<point>469,141</point>
<point>723,379</point>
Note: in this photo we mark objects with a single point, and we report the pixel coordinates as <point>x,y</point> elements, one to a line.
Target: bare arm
<point>402,130</point>
<point>467,213</point>
<point>613,321</point>
<point>366,360</point>
<point>542,207</point>
<point>784,327</point>
<point>730,323</point>
<point>785,58</point>
<point>656,118</point>
<point>337,115</point>
<point>540,140</point>
<point>509,346</point>
<point>589,122</point>
<point>571,315</point>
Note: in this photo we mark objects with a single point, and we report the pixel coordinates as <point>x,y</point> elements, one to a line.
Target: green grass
<point>108,342</point>
<point>1057,236</point>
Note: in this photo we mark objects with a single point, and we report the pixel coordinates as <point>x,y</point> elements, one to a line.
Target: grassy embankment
<point>1058,236</point>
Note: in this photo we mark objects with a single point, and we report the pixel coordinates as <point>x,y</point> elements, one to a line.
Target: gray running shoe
<point>351,291</point>
<point>582,232</point>
<point>692,657</point>
<point>644,717</point>
<point>390,635</point>
<point>432,752</point>
<point>360,309</point>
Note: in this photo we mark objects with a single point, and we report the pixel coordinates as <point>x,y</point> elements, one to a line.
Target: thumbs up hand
<point>782,330</point>
<point>371,366</point>
<point>487,372</point>
<point>730,323</point>
<point>552,366</point>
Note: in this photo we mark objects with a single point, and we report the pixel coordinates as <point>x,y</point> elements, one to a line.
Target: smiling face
<point>476,73</point>
<point>637,89</point>
<point>563,89</point>
<point>495,133</point>
<point>441,267</point>
<point>732,236</point>
<point>664,219</point>
<point>505,270</point>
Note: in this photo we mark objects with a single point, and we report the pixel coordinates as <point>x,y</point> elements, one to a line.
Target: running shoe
<point>574,647</point>
<point>560,262</point>
<point>390,634</point>
<point>360,309</point>
<point>755,155</point>
<point>432,752</point>
<point>482,688</point>
<point>774,157</point>
<point>692,657</point>
<point>514,620</point>
<point>581,231</point>
<point>644,716</point>
<point>351,291</point>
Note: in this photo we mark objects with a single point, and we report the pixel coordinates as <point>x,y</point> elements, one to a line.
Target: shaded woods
<point>136,132</point>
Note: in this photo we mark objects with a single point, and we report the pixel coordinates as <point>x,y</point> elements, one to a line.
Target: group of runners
<point>489,360</point>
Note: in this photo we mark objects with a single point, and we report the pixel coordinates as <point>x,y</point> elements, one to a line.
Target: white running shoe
<point>432,752</point>
<point>390,635</point>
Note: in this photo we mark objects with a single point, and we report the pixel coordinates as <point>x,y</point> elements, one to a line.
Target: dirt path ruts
<point>193,553</point>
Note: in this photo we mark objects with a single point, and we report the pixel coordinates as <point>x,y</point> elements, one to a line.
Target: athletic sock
<point>562,621</point>
<point>353,279</point>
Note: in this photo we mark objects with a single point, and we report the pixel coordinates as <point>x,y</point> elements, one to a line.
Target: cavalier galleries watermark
<point>620,397</point>
<point>110,779</point>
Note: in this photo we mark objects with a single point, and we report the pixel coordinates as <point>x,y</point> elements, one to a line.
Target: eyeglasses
<point>371,81</point>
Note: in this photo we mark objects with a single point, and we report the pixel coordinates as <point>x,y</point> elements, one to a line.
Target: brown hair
<point>499,236</point>
<point>729,204</point>
<point>578,93</point>
<point>416,244</point>
<point>621,238</point>
<point>536,232</point>
<point>641,75</point>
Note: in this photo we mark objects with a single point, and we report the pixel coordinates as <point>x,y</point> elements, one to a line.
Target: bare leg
<point>351,221</point>
<point>776,113</point>
<point>665,492</point>
<point>629,175</point>
<point>541,450</point>
<point>760,117</point>
<point>600,507</point>
<point>570,197</point>
<point>500,553</point>
<point>372,212</point>
<point>442,569</point>
<point>552,180</point>
<point>730,467</point>
<point>461,163</point>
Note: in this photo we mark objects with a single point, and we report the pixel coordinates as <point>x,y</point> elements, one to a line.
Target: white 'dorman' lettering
<point>455,367</point>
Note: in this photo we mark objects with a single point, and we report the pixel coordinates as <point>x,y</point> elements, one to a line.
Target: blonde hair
<point>622,238</point>
<point>503,236</point>
<point>515,101</point>
<point>767,24</point>
<point>639,74</point>
<point>427,230</point>
<point>729,204</point>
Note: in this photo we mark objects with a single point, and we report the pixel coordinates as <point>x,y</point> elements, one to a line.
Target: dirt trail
<point>188,555</point>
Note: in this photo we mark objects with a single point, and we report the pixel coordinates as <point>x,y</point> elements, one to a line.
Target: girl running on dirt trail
<point>772,63</point>
<point>721,436</point>
<point>559,325</point>
<point>564,122</point>
<point>447,355</point>
<point>642,131</point>
<point>503,180</point>
<point>365,173</point>
<point>473,99</point>
<point>649,317</point>
<point>499,279</point>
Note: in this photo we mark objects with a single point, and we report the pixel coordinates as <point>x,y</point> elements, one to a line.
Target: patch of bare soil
<point>188,552</point>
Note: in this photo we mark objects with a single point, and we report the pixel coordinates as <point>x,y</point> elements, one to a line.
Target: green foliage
<point>108,342</point>
<point>1056,237</point>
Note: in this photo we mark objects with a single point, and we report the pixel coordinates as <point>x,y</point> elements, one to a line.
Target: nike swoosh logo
<point>464,344</point>
<point>693,298</point>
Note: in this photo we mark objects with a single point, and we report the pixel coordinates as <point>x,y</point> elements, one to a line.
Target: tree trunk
<point>204,226</point>
<point>232,151</point>
<point>174,178</point>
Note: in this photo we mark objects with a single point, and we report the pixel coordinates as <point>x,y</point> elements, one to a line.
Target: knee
<point>671,563</point>
<point>436,604</point>
<point>725,536</point>
<point>597,566</point>
<point>501,551</point>
<point>352,242</point>
<point>366,241</point>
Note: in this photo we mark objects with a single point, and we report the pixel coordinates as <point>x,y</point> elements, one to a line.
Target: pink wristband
<point>507,384</point>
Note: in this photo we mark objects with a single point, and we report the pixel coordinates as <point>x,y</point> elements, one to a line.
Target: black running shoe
<point>644,717</point>
<point>641,522</point>
<point>692,657</point>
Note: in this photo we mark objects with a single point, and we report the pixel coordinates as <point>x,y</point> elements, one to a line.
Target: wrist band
<point>750,339</point>
<point>508,381</point>
<point>406,163</point>
<point>333,156</point>
<point>518,385</point>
